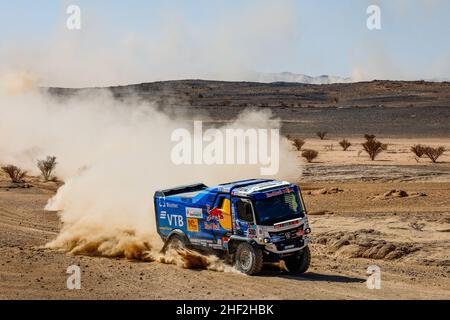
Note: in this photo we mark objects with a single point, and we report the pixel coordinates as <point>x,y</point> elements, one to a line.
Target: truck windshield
<point>278,208</point>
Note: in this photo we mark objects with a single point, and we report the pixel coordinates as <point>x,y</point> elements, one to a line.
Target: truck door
<point>243,217</point>
<point>220,217</point>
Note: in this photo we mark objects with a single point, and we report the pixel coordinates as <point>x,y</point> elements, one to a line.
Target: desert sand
<point>398,152</point>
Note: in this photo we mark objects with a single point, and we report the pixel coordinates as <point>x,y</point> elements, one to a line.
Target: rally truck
<point>249,222</point>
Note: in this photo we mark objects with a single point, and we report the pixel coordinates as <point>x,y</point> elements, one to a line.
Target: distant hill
<point>300,78</point>
<point>206,93</point>
<point>385,108</point>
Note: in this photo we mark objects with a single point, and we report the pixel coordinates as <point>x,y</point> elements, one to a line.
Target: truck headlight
<point>266,240</point>
<point>307,230</point>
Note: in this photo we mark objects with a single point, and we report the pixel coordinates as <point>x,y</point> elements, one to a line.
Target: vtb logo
<point>175,220</point>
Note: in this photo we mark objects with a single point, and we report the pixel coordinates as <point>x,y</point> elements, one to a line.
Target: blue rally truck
<point>249,221</point>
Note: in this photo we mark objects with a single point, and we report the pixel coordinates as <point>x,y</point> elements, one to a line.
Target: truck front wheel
<point>248,258</point>
<point>175,242</point>
<point>299,263</point>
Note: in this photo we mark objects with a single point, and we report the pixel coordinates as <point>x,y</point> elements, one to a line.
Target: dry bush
<point>16,174</point>
<point>417,226</point>
<point>369,137</point>
<point>298,143</point>
<point>434,153</point>
<point>373,147</point>
<point>47,166</point>
<point>321,134</point>
<point>310,155</point>
<point>418,150</point>
<point>345,144</point>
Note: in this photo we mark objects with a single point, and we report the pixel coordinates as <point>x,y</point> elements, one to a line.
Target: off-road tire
<point>299,263</point>
<point>248,258</point>
<point>175,242</point>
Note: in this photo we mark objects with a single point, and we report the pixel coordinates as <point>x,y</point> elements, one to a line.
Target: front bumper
<point>287,247</point>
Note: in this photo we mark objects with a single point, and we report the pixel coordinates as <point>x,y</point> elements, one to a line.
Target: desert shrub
<point>434,153</point>
<point>417,226</point>
<point>15,173</point>
<point>310,155</point>
<point>373,147</point>
<point>47,166</point>
<point>418,150</point>
<point>369,137</point>
<point>298,143</point>
<point>321,134</point>
<point>345,144</point>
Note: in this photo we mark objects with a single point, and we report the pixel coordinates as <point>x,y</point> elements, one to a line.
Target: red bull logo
<point>215,214</point>
<point>211,226</point>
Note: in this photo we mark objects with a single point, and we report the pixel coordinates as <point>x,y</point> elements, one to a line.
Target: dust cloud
<point>112,156</point>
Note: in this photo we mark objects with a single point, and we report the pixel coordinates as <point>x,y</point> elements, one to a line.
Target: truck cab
<point>252,221</point>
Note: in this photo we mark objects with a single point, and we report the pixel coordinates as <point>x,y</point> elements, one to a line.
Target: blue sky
<point>131,41</point>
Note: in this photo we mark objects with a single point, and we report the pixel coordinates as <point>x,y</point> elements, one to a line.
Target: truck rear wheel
<point>299,263</point>
<point>248,258</point>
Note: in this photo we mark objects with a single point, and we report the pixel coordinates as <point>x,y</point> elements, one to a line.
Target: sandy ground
<point>355,224</point>
<point>396,164</point>
<point>398,152</point>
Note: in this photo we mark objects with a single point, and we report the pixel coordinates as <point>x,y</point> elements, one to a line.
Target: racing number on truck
<point>175,220</point>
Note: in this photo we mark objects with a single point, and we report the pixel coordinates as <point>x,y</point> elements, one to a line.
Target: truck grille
<point>286,235</point>
<point>289,244</point>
